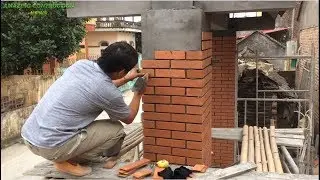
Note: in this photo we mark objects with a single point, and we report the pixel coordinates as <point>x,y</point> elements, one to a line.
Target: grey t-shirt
<point>71,103</point>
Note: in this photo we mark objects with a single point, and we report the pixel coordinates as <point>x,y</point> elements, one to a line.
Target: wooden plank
<point>244,145</point>
<point>236,134</point>
<point>251,146</point>
<point>230,171</point>
<point>263,152</point>
<point>289,136</point>
<point>257,149</point>
<point>274,149</point>
<point>268,150</point>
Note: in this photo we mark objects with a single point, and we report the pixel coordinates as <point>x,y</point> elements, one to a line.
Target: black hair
<point>117,57</point>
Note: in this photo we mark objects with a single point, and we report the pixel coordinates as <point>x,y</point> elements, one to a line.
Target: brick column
<point>223,96</point>
<point>177,105</point>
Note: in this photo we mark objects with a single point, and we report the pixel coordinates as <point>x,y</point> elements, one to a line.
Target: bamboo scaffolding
<point>263,152</point>
<point>268,151</point>
<point>289,159</point>
<point>251,145</point>
<point>257,149</point>
<point>244,146</point>
<point>274,150</point>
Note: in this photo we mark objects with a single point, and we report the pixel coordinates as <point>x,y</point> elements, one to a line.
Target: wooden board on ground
<point>230,171</point>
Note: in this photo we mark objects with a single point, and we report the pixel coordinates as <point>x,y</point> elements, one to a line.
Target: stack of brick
<point>223,96</point>
<point>177,105</point>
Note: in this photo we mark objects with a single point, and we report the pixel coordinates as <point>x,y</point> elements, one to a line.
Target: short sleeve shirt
<point>71,103</point>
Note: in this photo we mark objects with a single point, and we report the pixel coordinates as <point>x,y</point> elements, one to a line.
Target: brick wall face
<point>177,105</point>
<point>223,96</point>
<point>306,38</point>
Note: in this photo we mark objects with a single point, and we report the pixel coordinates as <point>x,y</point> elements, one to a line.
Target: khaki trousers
<point>94,143</point>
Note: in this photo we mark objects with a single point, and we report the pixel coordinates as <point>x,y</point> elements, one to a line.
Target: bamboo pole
<point>263,152</point>
<point>284,165</point>
<point>289,159</point>
<point>274,149</point>
<point>244,145</point>
<point>251,145</point>
<point>268,151</point>
<point>257,149</point>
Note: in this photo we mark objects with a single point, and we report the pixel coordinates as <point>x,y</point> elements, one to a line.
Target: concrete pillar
<point>177,104</point>
<point>223,94</point>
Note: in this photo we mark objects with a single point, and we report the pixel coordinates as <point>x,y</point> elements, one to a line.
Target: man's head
<point>118,59</point>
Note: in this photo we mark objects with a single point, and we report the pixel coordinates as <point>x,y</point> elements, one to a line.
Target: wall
<point>177,106</point>
<point>11,124</point>
<point>95,37</point>
<point>29,87</point>
<point>309,34</point>
<point>223,94</point>
<point>265,47</point>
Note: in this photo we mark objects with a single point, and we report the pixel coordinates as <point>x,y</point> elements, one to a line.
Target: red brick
<point>149,90</point>
<point>170,91</point>
<point>194,55</point>
<point>198,101</point>
<point>155,64</point>
<point>194,145</point>
<point>149,140</point>
<point>186,136</point>
<point>187,82</point>
<point>148,107</point>
<point>170,54</point>
<point>156,116</point>
<point>194,161</point>
<point>188,118</point>
<point>194,127</point>
<point>229,38</point>
<point>150,71</point>
<point>187,64</point>
<point>173,73</point>
<point>198,92</point>
<point>159,82</point>
<point>150,156</point>
<point>156,99</point>
<point>199,73</point>
<point>171,142</point>
<point>148,124</point>
<point>170,108</point>
<point>186,152</point>
<point>157,149</point>
<point>157,133</point>
<point>172,159</point>
<point>206,45</point>
<point>206,35</point>
<point>171,126</point>
<point>199,109</point>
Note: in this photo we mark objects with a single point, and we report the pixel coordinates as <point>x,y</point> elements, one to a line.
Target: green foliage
<point>30,35</point>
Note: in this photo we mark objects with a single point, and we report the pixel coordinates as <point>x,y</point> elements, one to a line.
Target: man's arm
<point>134,73</point>
<point>120,82</point>
<point>134,108</point>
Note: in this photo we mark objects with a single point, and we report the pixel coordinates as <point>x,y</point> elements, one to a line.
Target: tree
<point>34,32</point>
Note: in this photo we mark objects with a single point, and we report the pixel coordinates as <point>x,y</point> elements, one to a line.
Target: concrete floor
<point>17,159</point>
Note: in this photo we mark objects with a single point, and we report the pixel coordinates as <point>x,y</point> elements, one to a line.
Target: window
<point>245,14</point>
<point>104,43</point>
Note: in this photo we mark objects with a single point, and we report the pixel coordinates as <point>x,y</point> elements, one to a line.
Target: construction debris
<point>131,168</point>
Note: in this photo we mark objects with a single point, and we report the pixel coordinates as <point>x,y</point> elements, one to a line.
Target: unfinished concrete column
<point>177,104</point>
<point>223,94</point>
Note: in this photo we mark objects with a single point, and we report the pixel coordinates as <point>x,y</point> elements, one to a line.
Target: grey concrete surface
<point>309,14</point>
<point>113,8</point>
<point>17,159</point>
<point>171,5</point>
<point>171,30</point>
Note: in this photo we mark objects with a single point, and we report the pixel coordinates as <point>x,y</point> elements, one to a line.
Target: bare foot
<point>72,168</point>
<point>110,164</point>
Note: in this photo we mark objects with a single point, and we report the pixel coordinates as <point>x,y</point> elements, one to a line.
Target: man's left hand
<point>133,73</point>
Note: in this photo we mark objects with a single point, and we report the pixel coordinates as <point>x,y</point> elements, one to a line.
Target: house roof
<point>263,34</point>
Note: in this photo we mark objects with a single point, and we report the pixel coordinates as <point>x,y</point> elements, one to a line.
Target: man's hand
<point>133,73</point>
